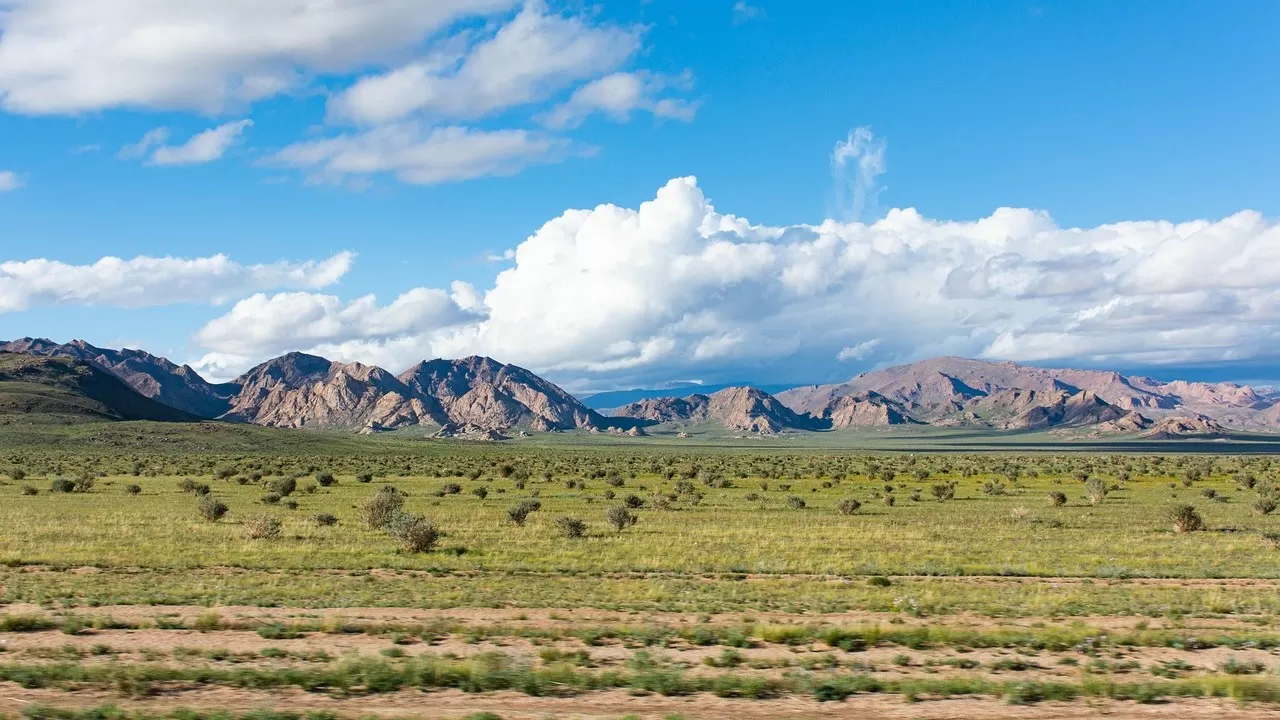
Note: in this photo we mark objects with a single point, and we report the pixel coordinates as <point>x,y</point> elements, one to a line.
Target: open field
<point>753,580</point>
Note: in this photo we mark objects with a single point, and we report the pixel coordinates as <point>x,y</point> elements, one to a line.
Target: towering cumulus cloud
<point>674,287</point>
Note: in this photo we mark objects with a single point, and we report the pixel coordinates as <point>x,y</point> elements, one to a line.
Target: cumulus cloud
<point>675,287</point>
<point>535,54</point>
<point>9,181</point>
<point>420,156</point>
<point>71,56</point>
<point>149,281</point>
<point>619,95</point>
<point>287,321</point>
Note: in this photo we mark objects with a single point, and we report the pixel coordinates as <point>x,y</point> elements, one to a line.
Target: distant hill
<point>479,396</point>
<point>61,389</point>
<point>611,399</point>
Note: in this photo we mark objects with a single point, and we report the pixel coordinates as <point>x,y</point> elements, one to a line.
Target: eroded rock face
<point>742,409</point>
<point>305,391</point>
<point>483,392</point>
<point>1180,426</point>
<point>864,409</point>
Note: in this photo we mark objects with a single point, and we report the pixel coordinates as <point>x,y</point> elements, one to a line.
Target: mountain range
<point>479,396</point>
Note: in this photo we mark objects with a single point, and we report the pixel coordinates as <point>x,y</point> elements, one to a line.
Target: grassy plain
<point>958,577</point>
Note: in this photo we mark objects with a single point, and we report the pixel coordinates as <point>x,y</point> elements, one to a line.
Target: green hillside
<point>62,390</point>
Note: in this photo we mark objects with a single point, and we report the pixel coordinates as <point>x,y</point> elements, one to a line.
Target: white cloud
<point>154,138</point>
<point>675,288</point>
<point>535,54</point>
<point>9,181</point>
<point>419,155</point>
<point>72,56</point>
<point>857,162</point>
<point>744,11</point>
<point>287,321</point>
<point>619,95</point>
<point>150,281</point>
<point>861,351</point>
<point>203,147</point>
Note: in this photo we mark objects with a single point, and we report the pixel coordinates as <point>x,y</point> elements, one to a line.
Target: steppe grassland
<point>741,577</point>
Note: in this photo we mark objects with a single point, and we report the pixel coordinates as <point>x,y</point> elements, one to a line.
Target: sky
<point>641,192</point>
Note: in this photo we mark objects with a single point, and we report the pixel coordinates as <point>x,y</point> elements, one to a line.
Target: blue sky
<point>1095,113</point>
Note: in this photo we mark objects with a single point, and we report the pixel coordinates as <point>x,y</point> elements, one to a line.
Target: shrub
<point>848,506</point>
<point>571,527</point>
<point>1185,518</point>
<point>325,519</point>
<point>271,498</point>
<point>18,474</point>
<point>415,533</point>
<point>28,490</point>
<point>992,488</point>
<point>188,485</point>
<point>82,484</point>
<point>795,502</point>
<point>1096,490</point>
<point>519,512</point>
<point>1264,506</point>
<point>879,581</point>
<point>481,492</point>
<point>133,489</point>
<point>451,489</point>
<point>943,491</point>
<point>620,518</point>
<point>1057,499</point>
<point>283,486</point>
<point>890,500</point>
<point>633,501</point>
<point>211,508</point>
<point>262,527</point>
<point>380,509</point>
<point>326,479</point>
<point>365,477</point>
<point>62,485</point>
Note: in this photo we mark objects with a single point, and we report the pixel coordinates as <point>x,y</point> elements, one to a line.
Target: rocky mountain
<point>62,389</point>
<point>740,409</point>
<point>177,386</point>
<point>298,390</point>
<point>964,392</point>
<point>1181,426</point>
<point>482,392</point>
<point>863,409</point>
<point>305,391</point>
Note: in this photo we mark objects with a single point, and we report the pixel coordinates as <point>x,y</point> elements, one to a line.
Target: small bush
<point>364,477</point>
<point>28,490</point>
<point>271,498</point>
<point>384,506</point>
<point>1185,519</point>
<point>1095,490</point>
<point>62,485</point>
<point>262,527</point>
<point>415,533</point>
<point>620,518</point>
<point>481,492</point>
<point>571,527</point>
<point>211,508</point>
<point>283,486</point>
<point>943,491</point>
<point>879,581</point>
<point>795,502</point>
<point>1057,499</point>
<point>18,474</point>
<point>633,501</point>
<point>133,489</point>
<point>1264,506</point>
<point>848,506</point>
<point>519,512</point>
<point>325,519</point>
<point>326,479</point>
